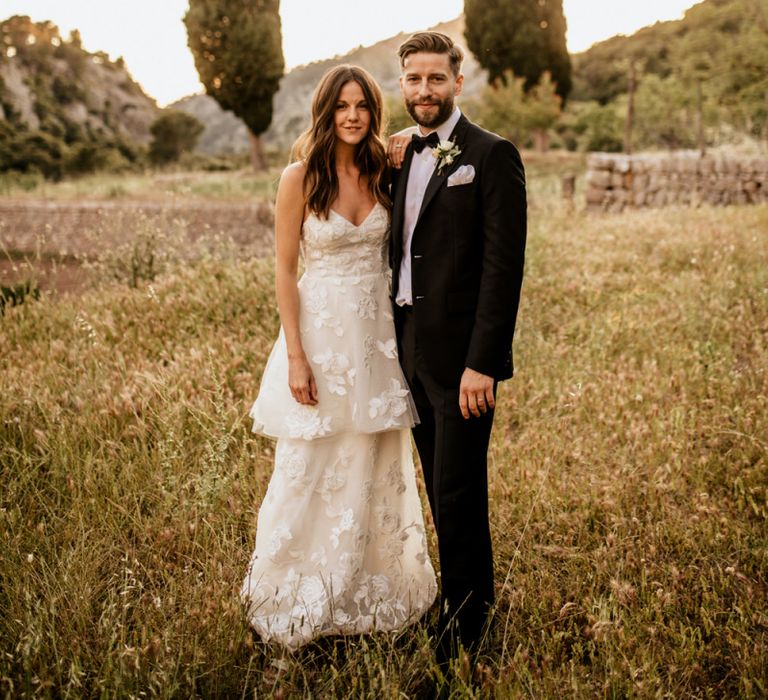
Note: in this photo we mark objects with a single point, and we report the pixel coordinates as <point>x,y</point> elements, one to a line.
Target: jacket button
<point>419,297</point>
<point>418,257</point>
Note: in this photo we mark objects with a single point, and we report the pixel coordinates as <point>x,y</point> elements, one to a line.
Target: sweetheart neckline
<point>344,218</point>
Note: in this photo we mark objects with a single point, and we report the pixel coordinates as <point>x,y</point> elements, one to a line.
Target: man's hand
<point>475,393</point>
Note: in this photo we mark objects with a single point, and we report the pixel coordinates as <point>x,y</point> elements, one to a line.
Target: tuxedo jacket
<point>467,255</point>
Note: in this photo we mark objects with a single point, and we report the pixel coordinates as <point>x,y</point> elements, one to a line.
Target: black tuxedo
<point>467,253</point>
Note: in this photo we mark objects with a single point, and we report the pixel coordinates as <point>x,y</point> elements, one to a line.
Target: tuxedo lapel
<point>436,181</point>
<point>398,203</point>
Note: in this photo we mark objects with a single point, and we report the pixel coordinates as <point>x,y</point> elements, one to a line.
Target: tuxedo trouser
<point>454,457</point>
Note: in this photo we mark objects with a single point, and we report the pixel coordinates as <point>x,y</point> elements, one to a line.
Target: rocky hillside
<point>225,133</point>
<point>52,84</point>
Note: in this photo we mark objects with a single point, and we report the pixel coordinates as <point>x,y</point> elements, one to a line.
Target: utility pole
<point>631,87</point>
<point>700,119</point>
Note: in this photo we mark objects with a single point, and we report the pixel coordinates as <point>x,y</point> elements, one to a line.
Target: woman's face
<point>352,119</point>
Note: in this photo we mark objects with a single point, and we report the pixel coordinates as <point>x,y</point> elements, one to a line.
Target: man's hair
<point>432,42</point>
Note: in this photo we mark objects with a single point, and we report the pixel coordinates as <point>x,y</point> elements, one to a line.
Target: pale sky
<point>151,37</point>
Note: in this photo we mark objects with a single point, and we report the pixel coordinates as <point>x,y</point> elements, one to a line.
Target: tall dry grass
<point>628,487</point>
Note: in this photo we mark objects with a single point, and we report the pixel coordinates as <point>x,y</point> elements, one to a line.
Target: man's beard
<point>444,110</point>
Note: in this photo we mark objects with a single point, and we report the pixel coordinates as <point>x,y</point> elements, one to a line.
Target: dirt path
<point>48,240</point>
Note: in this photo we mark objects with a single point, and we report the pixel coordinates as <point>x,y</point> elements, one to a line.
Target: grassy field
<point>230,186</point>
<point>628,479</point>
<point>242,185</point>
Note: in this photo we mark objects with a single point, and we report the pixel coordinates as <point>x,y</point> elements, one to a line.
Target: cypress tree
<point>237,47</point>
<point>524,36</point>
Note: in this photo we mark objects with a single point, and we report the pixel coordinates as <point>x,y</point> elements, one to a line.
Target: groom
<point>458,243</point>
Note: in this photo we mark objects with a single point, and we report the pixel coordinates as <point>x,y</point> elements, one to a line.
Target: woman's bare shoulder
<point>292,181</point>
<point>290,191</point>
<point>294,173</point>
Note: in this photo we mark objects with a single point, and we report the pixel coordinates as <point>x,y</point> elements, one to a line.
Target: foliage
<point>34,42</point>
<point>663,113</point>
<point>74,128</point>
<point>237,47</point>
<point>627,480</point>
<point>95,156</point>
<point>397,117</point>
<point>34,151</point>
<point>600,126</point>
<point>720,46</point>
<point>600,73</point>
<point>506,109</point>
<point>25,151</point>
<point>66,91</point>
<point>173,133</point>
<point>524,36</point>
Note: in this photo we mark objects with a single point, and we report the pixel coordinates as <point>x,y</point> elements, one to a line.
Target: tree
<point>663,113</point>
<point>599,126</point>
<point>710,64</point>
<point>237,47</point>
<point>524,36</point>
<point>542,111</point>
<point>507,109</point>
<point>501,108</point>
<point>173,133</point>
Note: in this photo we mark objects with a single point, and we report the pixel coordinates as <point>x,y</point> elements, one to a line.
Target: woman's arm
<point>289,216</point>
<point>397,144</point>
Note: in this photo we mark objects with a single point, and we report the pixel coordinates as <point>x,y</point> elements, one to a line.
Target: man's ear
<point>459,85</point>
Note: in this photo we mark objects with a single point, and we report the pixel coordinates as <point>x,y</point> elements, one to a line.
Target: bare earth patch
<point>49,241</point>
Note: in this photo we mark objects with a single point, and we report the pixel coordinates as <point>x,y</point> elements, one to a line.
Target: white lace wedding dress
<point>340,540</point>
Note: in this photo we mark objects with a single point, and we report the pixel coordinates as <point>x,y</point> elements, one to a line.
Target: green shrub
<point>35,151</point>
<point>27,182</point>
<point>66,91</point>
<point>87,158</point>
<point>600,127</point>
<point>173,133</point>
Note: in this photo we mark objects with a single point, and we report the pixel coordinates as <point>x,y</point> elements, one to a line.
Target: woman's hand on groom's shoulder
<point>396,146</point>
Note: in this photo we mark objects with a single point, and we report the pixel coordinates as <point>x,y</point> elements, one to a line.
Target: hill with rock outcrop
<point>64,110</point>
<point>52,84</point>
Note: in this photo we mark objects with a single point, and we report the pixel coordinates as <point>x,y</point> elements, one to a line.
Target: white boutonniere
<point>445,153</point>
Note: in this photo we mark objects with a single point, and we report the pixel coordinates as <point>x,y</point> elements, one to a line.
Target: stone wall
<point>616,182</point>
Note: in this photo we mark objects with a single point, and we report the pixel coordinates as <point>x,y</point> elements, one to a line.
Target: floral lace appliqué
<point>336,370</point>
<point>305,422</point>
<point>388,348</point>
<point>366,306</point>
<point>390,403</point>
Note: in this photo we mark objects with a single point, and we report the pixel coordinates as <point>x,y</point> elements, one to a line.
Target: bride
<point>340,540</point>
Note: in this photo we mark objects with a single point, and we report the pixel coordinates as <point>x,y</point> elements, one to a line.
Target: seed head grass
<point>628,479</point>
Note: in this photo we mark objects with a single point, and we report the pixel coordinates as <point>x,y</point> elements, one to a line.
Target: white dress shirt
<point>422,166</point>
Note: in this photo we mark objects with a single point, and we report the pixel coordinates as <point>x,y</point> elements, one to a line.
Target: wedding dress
<point>340,540</point>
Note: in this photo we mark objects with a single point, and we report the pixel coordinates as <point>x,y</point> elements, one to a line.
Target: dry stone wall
<point>616,182</point>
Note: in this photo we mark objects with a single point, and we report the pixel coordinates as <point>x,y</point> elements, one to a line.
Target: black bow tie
<point>421,142</point>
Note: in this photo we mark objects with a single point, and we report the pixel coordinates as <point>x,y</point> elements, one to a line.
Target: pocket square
<point>463,176</point>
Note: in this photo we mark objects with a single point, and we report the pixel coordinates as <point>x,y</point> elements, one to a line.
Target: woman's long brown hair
<point>317,145</point>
